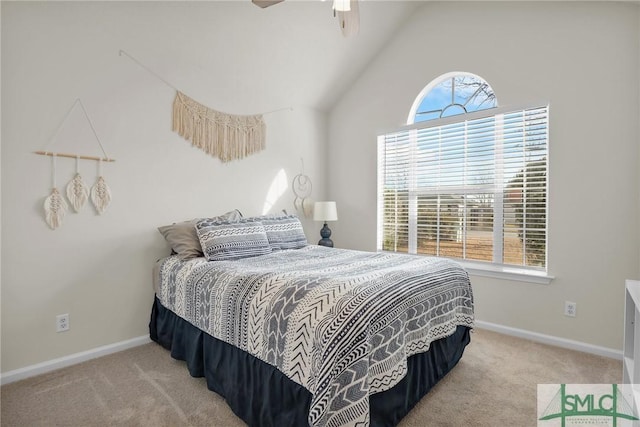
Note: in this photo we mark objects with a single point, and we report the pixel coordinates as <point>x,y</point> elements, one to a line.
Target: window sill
<point>507,272</point>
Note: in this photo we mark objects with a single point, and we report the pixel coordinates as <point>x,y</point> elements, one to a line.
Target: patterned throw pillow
<point>232,240</point>
<point>284,232</point>
<point>182,236</point>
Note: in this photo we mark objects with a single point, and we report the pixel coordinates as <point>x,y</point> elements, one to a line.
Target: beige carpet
<point>493,385</point>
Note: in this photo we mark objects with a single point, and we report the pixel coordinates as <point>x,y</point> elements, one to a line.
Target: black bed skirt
<point>262,396</point>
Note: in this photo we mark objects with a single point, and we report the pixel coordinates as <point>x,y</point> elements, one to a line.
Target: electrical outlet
<point>570,309</point>
<point>62,322</point>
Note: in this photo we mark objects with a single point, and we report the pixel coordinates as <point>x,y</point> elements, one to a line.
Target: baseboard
<point>551,340</point>
<point>63,362</point>
<point>72,359</point>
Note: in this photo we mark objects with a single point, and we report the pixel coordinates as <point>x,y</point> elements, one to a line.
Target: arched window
<point>452,94</point>
<point>466,179</point>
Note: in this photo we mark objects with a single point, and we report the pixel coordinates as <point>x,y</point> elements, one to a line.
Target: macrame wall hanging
<point>55,207</point>
<point>222,135</point>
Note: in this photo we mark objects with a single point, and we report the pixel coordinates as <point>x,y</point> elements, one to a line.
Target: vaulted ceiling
<point>292,53</point>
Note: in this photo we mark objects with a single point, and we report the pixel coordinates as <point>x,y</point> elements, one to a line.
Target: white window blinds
<point>472,187</point>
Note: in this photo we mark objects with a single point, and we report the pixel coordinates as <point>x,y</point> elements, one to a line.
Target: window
<point>466,179</point>
<point>452,94</point>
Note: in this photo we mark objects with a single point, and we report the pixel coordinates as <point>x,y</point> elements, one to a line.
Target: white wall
<point>580,57</point>
<point>241,59</point>
<point>98,268</point>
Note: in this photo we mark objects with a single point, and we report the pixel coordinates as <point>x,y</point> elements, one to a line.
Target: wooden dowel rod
<point>73,156</point>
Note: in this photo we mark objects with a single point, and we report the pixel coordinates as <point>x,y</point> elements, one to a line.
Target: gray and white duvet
<point>340,323</point>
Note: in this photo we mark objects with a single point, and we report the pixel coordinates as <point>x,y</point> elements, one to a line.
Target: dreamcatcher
<point>302,189</point>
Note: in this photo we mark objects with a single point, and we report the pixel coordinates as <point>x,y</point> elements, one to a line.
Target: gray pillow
<point>222,240</point>
<point>182,236</point>
<point>284,232</point>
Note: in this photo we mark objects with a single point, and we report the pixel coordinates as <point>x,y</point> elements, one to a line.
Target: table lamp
<point>325,211</point>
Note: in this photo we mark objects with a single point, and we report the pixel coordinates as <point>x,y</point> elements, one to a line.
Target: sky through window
<point>458,94</point>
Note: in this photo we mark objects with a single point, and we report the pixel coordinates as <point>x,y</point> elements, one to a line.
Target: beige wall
<point>98,268</point>
<point>580,57</point>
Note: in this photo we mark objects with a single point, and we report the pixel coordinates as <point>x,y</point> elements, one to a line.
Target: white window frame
<point>495,269</point>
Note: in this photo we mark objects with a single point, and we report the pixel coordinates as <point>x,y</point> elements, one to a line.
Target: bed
<point>309,335</point>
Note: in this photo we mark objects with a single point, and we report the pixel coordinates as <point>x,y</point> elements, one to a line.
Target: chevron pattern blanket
<point>341,323</point>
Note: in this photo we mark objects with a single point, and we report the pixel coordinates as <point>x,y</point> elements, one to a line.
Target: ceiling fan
<point>346,11</point>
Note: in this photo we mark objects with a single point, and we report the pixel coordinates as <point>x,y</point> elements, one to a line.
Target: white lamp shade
<point>325,211</point>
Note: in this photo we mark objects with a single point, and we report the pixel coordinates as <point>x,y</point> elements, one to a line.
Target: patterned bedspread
<point>341,323</point>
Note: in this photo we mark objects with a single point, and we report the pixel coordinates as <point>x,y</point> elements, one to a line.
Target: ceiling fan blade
<point>265,3</point>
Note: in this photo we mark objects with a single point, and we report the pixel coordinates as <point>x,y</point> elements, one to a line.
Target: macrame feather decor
<point>55,207</point>
<point>77,190</point>
<point>100,192</point>
<point>225,136</point>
